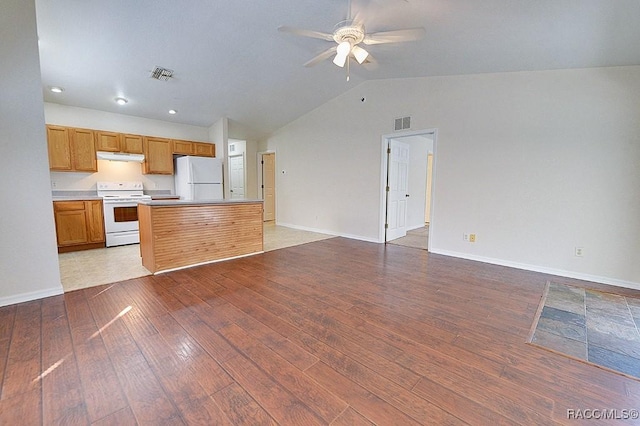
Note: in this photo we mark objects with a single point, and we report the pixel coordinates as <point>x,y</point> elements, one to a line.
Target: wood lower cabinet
<point>71,149</point>
<point>158,156</point>
<point>79,225</point>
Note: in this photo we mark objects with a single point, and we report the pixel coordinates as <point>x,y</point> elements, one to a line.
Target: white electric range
<point>120,202</point>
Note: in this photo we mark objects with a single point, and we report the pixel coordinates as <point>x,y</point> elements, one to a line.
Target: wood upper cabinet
<point>158,156</point>
<point>107,141</point>
<point>200,149</point>
<point>118,142</point>
<point>59,144</point>
<point>204,149</point>
<point>182,147</point>
<point>79,224</point>
<point>71,149</point>
<point>83,150</point>
<point>131,144</point>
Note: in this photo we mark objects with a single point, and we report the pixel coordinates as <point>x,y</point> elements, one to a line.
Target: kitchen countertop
<point>76,197</point>
<point>165,197</point>
<point>178,203</point>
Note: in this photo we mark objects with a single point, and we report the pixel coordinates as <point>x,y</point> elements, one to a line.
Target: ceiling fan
<point>347,35</point>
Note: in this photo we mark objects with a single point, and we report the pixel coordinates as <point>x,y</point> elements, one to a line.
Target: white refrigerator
<point>199,178</point>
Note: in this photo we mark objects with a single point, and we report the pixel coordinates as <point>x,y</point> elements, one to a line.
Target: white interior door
<point>236,176</point>
<point>398,189</point>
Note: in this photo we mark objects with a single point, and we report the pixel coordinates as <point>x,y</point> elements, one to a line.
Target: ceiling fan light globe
<point>340,60</point>
<point>359,53</point>
<point>344,48</point>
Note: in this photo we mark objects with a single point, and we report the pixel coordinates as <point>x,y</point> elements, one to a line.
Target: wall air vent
<point>402,123</point>
<point>162,74</point>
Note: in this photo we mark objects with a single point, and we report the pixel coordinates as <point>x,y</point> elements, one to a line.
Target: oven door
<point>120,216</point>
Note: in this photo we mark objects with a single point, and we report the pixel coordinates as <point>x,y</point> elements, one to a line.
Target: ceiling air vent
<point>162,74</point>
<point>402,123</point>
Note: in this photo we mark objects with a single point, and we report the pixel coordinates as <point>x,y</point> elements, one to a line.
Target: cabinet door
<point>158,156</point>
<point>71,223</point>
<point>204,149</point>
<point>182,147</point>
<point>131,144</point>
<point>83,150</point>
<point>107,141</point>
<point>59,146</point>
<point>95,221</point>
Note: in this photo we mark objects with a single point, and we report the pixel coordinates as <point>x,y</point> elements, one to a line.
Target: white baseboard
<point>33,295</point>
<point>333,233</point>
<point>543,269</point>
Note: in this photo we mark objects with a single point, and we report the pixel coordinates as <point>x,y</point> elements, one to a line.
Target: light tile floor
<point>89,268</point>
<point>601,328</point>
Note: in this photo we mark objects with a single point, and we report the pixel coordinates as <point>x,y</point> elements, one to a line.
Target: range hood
<point>120,156</point>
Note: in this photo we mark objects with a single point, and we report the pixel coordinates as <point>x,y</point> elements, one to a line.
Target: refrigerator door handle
<point>190,172</point>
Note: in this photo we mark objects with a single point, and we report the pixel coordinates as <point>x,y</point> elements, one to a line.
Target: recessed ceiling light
<point>121,101</point>
<point>56,89</point>
<point>173,111</point>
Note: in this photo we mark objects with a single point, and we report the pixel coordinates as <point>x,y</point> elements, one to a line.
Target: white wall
<point>93,119</point>
<point>28,253</point>
<point>219,133</point>
<point>534,163</point>
<point>109,170</point>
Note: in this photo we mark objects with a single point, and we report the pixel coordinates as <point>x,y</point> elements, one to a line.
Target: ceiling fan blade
<point>397,36</point>
<point>321,57</point>
<point>306,33</point>
<point>370,63</point>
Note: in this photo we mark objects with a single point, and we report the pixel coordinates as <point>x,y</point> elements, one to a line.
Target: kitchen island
<point>175,234</point>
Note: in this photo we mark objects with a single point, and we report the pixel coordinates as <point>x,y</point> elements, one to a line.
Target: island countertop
<point>177,233</point>
<point>175,203</point>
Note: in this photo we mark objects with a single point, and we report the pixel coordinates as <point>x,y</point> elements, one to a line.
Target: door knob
<point>406,195</point>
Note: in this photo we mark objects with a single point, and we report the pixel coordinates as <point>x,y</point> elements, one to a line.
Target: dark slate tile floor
<point>601,328</point>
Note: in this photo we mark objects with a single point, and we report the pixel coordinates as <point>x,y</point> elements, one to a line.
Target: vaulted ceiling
<point>230,60</point>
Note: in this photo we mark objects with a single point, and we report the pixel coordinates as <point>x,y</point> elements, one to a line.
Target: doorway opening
<point>237,176</point>
<point>267,183</point>
<point>407,188</point>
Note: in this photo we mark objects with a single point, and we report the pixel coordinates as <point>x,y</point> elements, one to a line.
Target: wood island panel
<point>177,236</point>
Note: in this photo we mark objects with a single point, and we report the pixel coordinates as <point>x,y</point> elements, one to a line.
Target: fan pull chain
<point>348,62</point>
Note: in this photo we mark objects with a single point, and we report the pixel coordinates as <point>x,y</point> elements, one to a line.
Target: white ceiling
<point>230,60</point>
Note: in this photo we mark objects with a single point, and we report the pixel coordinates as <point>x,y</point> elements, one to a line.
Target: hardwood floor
<point>334,332</point>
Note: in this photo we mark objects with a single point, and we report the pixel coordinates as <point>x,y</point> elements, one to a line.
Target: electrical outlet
<point>465,237</point>
<point>579,251</point>
<point>472,238</point>
<point>54,184</point>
